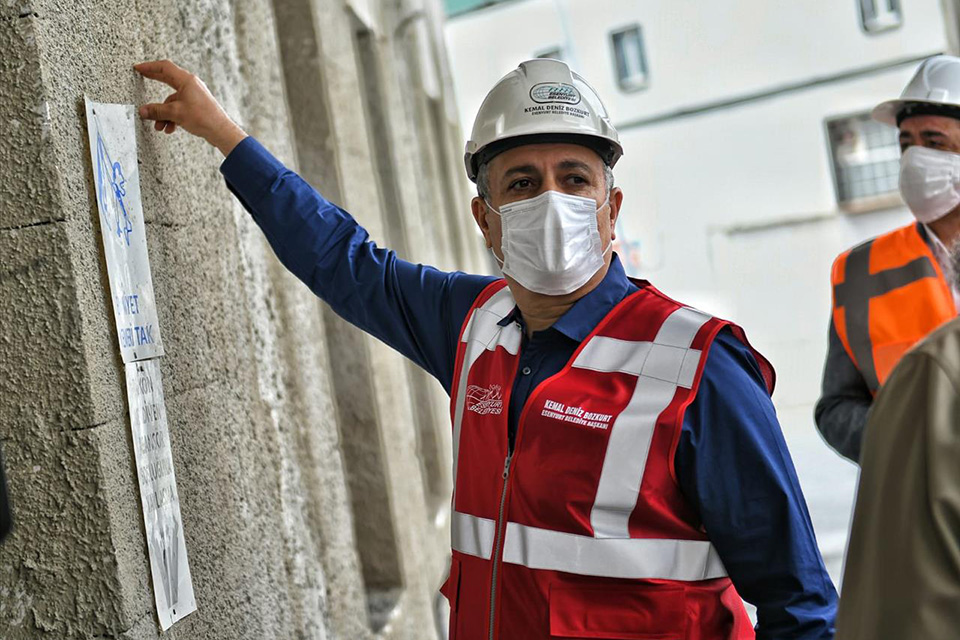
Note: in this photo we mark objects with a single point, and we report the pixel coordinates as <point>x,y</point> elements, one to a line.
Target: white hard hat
<point>542,100</point>
<point>933,90</point>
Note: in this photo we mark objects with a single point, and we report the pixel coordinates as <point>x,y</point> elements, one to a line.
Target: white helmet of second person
<point>933,90</point>
<point>540,101</point>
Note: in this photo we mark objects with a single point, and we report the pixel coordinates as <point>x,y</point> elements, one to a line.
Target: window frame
<point>630,84</point>
<point>859,204</point>
<point>874,27</point>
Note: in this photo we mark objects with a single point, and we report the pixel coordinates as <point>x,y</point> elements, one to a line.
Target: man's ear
<point>616,200</point>
<point>480,212</point>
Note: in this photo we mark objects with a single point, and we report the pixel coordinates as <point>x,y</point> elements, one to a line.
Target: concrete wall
<point>312,462</point>
<point>729,203</point>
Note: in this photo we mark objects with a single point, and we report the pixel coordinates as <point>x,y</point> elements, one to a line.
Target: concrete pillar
<point>424,71</point>
<point>77,566</point>
<point>374,387</point>
<point>312,462</point>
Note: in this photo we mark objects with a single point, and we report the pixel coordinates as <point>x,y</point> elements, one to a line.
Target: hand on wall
<point>191,106</point>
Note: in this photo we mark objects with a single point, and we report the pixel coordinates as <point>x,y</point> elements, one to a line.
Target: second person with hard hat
<point>891,291</point>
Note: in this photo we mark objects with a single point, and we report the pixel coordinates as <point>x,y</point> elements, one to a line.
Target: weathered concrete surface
<point>287,448</point>
<point>372,385</point>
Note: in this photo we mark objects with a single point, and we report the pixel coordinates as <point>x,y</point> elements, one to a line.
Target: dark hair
<point>927,109</point>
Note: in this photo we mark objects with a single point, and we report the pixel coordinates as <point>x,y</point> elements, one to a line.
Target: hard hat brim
<point>889,112</point>
<point>886,112</point>
<point>609,150</point>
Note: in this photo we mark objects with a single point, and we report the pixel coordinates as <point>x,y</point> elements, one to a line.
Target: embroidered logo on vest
<point>484,401</point>
<point>575,415</point>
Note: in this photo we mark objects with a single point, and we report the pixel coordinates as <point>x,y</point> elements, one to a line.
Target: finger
<point>161,111</point>
<point>159,125</point>
<point>164,71</point>
<point>170,127</point>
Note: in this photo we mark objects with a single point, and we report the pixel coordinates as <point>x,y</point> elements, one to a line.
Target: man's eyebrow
<point>524,168</point>
<point>575,164</point>
<point>929,133</point>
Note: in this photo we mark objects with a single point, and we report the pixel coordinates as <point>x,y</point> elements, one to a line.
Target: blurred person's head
<point>927,115</point>
<point>542,152</point>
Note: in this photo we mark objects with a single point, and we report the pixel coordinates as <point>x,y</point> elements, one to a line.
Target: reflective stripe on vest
<point>664,364</point>
<point>631,558</point>
<point>483,333</point>
<point>874,338</point>
<point>472,535</point>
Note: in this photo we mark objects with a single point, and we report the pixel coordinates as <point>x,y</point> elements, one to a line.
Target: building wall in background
<point>311,461</point>
<point>729,201</point>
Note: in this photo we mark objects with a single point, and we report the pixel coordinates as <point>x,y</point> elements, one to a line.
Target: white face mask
<point>929,181</point>
<point>550,243</point>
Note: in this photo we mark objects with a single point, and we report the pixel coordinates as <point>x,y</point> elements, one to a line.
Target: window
<point>630,58</point>
<point>866,163</point>
<point>880,15</point>
<point>555,53</point>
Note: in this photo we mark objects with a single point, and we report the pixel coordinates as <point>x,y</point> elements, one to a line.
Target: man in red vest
<point>619,470</point>
<point>891,291</point>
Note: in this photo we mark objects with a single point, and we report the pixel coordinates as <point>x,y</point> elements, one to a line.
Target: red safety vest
<point>888,294</point>
<point>584,532</point>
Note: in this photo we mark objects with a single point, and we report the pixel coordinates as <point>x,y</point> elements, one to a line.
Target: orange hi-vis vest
<point>888,294</point>
<point>582,531</point>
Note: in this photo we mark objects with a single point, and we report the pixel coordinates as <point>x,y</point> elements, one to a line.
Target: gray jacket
<point>845,399</point>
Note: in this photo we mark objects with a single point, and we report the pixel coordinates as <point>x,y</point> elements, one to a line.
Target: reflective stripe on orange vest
<point>888,294</point>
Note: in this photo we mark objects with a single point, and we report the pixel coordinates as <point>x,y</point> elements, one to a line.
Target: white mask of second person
<point>551,243</point>
<point>929,181</point>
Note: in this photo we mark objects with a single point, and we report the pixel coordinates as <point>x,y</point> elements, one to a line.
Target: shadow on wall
<point>6,516</point>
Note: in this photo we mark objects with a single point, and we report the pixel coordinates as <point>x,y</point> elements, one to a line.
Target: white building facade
<point>750,162</point>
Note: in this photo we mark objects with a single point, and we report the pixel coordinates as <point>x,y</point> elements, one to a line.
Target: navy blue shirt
<point>732,461</point>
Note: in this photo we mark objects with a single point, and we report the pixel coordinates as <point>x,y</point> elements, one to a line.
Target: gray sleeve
<point>845,399</point>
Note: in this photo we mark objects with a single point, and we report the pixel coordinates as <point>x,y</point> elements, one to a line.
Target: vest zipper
<point>498,542</point>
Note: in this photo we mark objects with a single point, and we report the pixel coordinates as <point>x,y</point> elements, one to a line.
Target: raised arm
<point>416,309</point>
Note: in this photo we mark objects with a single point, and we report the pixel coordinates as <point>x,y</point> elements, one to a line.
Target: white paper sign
<point>113,149</point>
<point>172,585</point>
